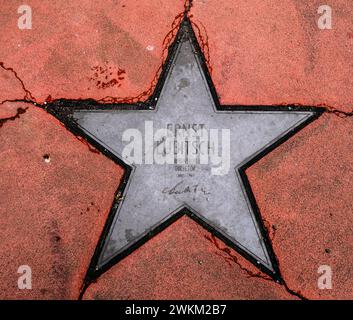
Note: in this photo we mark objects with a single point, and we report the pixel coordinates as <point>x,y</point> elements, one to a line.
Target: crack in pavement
<point>271,237</point>
<point>203,41</point>
<point>19,112</point>
<point>231,258</point>
<point>28,95</point>
<point>167,41</point>
<point>339,113</point>
<point>327,109</point>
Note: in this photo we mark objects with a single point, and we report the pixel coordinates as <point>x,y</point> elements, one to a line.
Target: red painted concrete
<point>185,262</point>
<point>263,52</point>
<point>84,49</point>
<point>304,191</point>
<point>10,88</point>
<point>272,52</point>
<point>51,214</point>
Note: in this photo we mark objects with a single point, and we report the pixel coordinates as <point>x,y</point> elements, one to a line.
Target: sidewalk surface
<point>56,189</point>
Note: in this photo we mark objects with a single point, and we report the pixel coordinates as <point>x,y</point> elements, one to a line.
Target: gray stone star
<point>154,194</point>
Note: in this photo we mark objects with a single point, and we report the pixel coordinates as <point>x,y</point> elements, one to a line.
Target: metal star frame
<point>65,110</point>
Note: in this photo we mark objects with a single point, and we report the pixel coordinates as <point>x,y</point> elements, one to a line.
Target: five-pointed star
<point>153,195</point>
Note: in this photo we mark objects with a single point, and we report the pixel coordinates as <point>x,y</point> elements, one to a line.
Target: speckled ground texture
<point>56,190</point>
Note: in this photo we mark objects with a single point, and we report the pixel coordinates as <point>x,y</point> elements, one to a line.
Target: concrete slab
<point>266,52</point>
<point>305,198</point>
<point>87,49</point>
<point>51,211</point>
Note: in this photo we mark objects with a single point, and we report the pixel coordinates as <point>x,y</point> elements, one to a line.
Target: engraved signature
<point>182,188</point>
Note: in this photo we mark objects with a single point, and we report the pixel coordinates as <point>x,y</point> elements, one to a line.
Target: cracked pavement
<point>52,212</point>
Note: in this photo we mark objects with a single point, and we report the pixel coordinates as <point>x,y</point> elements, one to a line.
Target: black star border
<point>63,110</point>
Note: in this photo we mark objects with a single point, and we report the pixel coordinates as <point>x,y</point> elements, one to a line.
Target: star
<point>161,183</point>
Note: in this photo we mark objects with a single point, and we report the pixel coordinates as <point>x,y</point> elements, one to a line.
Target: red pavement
<point>260,52</point>
<point>51,213</point>
<point>272,52</point>
<point>59,57</point>
<point>303,191</point>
